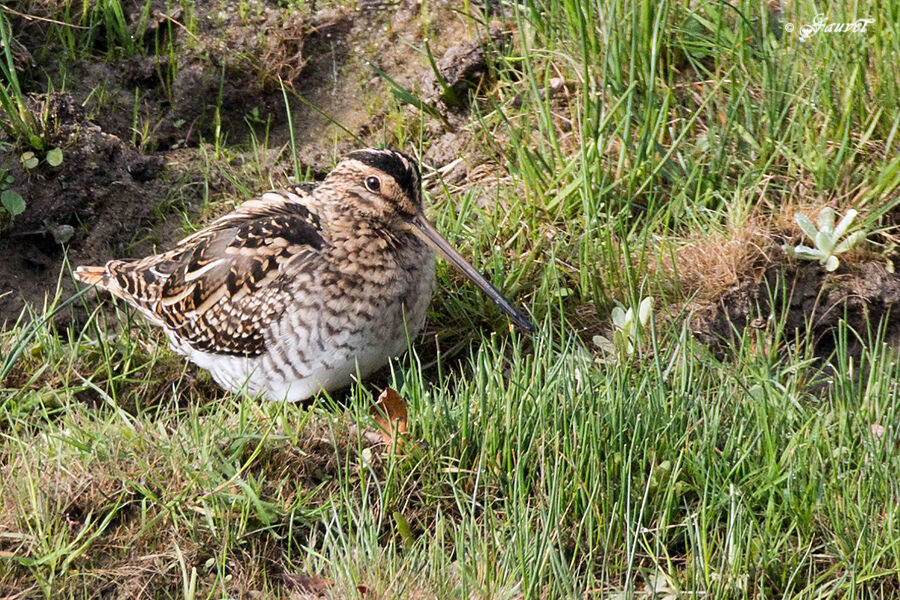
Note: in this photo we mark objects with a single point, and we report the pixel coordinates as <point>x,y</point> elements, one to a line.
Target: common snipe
<point>300,289</point>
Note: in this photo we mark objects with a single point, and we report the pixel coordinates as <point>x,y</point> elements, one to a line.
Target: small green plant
<point>827,238</point>
<point>54,157</point>
<point>11,201</point>
<point>627,328</point>
<point>30,160</point>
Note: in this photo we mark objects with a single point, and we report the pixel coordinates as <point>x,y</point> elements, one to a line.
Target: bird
<point>302,289</point>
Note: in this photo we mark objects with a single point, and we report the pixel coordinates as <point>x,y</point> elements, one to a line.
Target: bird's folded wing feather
<point>218,288</point>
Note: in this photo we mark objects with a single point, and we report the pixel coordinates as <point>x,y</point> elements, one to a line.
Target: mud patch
<point>811,302</point>
<point>102,194</point>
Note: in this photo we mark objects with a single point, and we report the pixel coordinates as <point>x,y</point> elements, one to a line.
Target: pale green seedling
<point>627,327</point>
<point>827,238</point>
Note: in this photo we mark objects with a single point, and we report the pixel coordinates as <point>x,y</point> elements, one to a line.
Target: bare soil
<point>810,301</point>
<point>105,190</point>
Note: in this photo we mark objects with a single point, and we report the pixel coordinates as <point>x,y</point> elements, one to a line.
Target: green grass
<point>535,468</point>
<point>18,123</point>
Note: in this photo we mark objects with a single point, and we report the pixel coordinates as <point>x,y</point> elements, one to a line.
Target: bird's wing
<point>218,288</point>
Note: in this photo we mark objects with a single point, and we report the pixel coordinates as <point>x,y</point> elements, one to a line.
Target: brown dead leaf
<point>306,585</point>
<point>390,414</point>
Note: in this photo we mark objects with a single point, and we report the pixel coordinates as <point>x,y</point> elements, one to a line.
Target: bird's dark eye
<point>372,184</point>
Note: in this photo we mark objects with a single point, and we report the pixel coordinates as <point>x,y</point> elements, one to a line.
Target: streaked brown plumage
<point>300,289</point>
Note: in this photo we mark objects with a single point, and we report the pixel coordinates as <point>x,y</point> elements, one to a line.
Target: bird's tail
<point>108,278</point>
<point>98,276</point>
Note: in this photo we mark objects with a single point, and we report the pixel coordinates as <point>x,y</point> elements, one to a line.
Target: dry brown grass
<point>705,265</point>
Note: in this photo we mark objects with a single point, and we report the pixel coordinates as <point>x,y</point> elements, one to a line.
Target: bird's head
<point>384,187</point>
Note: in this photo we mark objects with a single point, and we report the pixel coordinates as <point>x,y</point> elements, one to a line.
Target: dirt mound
<point>90,206</point>
<point>811,301</point>
<point>463,66</point>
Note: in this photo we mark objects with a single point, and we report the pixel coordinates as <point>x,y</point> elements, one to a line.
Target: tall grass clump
<point>19,123</point>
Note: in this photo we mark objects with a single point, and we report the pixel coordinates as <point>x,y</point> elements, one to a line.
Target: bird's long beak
<point>423,228</point>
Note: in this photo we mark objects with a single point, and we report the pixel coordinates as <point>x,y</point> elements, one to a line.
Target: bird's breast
<point>362,294</point>
<point>381,285</point>
<point>348,316</point>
